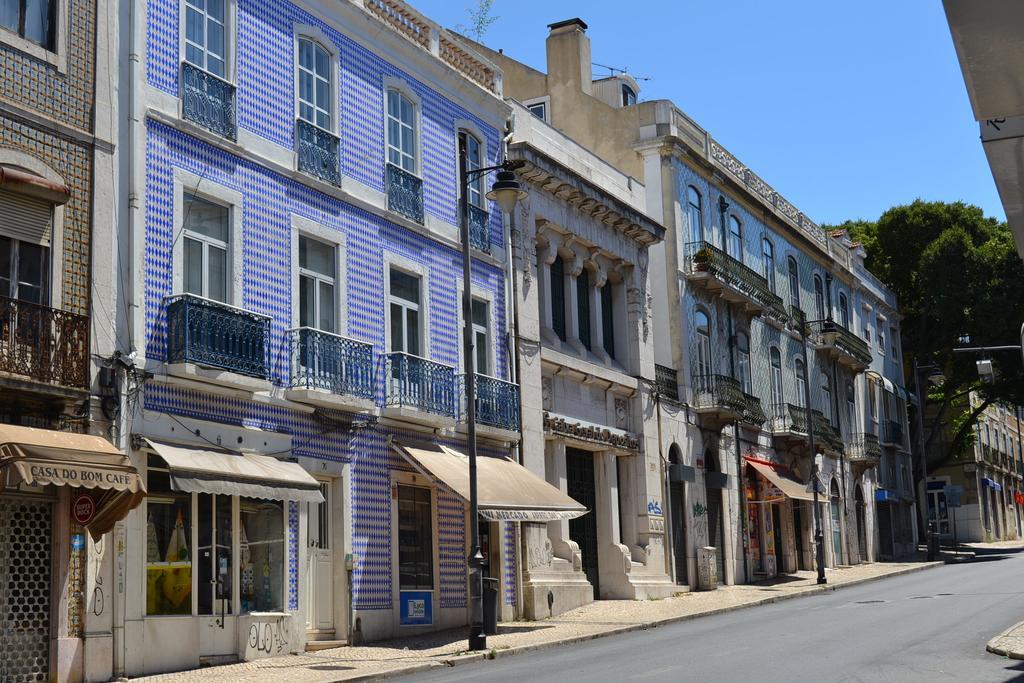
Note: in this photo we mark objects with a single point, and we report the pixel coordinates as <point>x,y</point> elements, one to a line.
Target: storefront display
<point>261,550</point>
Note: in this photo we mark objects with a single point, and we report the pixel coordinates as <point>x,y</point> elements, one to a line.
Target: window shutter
<point>26,218</point>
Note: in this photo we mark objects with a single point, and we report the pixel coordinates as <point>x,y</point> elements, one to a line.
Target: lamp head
<point>506,190</point>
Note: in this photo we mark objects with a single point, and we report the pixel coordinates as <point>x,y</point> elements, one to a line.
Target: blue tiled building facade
<point>226,189</point>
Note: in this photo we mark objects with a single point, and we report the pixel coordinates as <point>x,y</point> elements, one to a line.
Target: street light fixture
<point>934,376</point>
<point>819,537</point>
<point>506,191</point>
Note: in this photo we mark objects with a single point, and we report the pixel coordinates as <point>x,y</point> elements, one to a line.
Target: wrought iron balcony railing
<point>44,344</point>
<point>405,193</point>
<point>753,412</point>
<point>217,335</point>
<point>208,101</point>
<point>704,257</point>
<point>792,419</point>
<point>718,392</point>
<point>479,229</point>
<point>864,447</point>
<point>892,433</point>
<point>667,382</point>
<point>317,152</point>
<point>497,403</point>
<point>830,334</point>
<point>330,362</point>
<point>415,382</point>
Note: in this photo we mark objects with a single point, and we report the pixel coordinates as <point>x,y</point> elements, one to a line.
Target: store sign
<point>616,438</point>
<point>416,608</point>
<point>83,509</point>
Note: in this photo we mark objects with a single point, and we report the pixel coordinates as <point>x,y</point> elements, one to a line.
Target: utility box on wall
<point>707,568</point>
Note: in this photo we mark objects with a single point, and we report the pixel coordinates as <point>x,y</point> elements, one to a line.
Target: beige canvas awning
<point>785,482</point>
<point>506,490</point>
<point>44,457</point>
<point>230,473</point>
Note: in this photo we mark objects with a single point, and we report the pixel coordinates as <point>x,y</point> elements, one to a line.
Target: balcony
<point>208,101</point>
<point>317,152</point>
<point>667,382</point>
<point>43,344</point>
<point>892,433</point>
<point>753,413</point>
<point>497,408</point>
<point>405,193</point>
<point>330,371</point>
<point>212,341</point>
<point>789,425</point>
<point>479,229</point>
<point>708,266</point>
<point>840,344</point>
<point>719,398</point>
<point>864,449</point>
<point>419,390</point>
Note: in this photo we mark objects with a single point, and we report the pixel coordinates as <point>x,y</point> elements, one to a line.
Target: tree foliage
<point>480,19</point>
<point>955,272</point>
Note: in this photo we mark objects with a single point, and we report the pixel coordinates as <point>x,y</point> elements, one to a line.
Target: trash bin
<point>491,606</point>
<point>707,568</point>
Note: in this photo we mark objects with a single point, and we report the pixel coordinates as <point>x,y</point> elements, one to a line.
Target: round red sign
<point>83,509</point>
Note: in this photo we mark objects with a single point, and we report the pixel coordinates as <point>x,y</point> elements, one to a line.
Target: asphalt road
<point>924,626</point>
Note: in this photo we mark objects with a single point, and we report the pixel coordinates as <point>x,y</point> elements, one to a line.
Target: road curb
<point>997,648</point>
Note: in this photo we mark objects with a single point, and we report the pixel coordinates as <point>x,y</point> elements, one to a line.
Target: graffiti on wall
<point>699,521</point>
<point>268,638</point>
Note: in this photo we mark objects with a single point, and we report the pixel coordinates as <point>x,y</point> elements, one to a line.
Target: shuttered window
<point>26,218</point>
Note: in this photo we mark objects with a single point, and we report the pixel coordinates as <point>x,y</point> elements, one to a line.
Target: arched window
<point>801,382</point>
<point>735,239</point>
<point>768,252</point>
<point>844,311</point>
<point>776,362</point>
<point>703,327</point>
<point>794,281</point>
<point>819,297</point>
<point>826,397</point>
<point>851,409</point>
<point>694,213</point>
<point>743,360</point>
<point>316,91</point>
<point>675,455</point>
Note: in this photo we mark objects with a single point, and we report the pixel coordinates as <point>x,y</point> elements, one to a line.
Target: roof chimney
<point>569,56</point>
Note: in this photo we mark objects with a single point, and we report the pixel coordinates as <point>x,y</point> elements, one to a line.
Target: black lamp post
<point>819,538</point>
<point>506,191</point>
<point>934,375</point>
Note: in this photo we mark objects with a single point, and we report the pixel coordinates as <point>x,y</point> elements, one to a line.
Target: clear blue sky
<point>846,108</point>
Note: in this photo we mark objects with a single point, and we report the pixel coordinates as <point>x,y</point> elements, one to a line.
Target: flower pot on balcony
<point>701,260</point>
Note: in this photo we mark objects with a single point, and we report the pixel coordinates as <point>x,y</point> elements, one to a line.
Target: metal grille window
<point>33,20</point>
<point>583,307</point>
<point>401,117</point>
<point>794,281</point>
<point>317,272</point>
<point>315,89</point>
<point>558,297</point>
<point>415,539</point>
<point>404,305</point>
<point>205,246</point>
<point>26,531</point>
<point>206,35</point>
<point>481,334</point>
<point>694,214</point>
<point>735,238</point>
<point>24,271</point>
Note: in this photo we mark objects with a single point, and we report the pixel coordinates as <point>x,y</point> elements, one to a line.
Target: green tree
<point>955,272</point>
<point>480,19</point>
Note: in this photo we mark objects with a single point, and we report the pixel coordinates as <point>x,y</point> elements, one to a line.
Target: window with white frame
<point>481,337</point>
<point>768,255</point>
<point>24,271</point>
<point>703,327</point>
<point>844,311</point>
<point>33,20</point>
<point>401,117</point>
<point>851,409</point>
<point>819,297</point>
<point>881,337</point>
<point>404,311</point>
<point>205,245</point>
<point>628,96</point>
<point>694,212</point>
<point>206,35</point>
<point>315,80</point>
<point>776,370</point>
<point>794,281</point>
<point>474,184</point>
<point>317,284</point>
<point>743,360</point>
<point>539,109</point>
<point>894,346</point>
<point>801,382</point>
<point>873,401</point>
<point>826,397</point>
<point>735,238</point>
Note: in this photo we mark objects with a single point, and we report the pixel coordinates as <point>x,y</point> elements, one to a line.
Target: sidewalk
<point>602,618</point>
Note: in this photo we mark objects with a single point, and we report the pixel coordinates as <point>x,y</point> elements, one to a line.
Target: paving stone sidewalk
<point>447,648</point>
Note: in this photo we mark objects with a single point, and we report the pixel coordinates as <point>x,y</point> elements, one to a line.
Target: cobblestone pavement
<point>447,648</point>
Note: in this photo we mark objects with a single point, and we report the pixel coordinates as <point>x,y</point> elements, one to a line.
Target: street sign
<point>953,495</point>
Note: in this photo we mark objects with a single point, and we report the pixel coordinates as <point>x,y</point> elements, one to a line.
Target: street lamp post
<point>919,389</point>
<point>819,539</point>
<point>506,191</point>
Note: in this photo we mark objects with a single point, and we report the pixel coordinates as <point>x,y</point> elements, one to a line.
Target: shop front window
<point>168,546</point>
<point>262,551</point>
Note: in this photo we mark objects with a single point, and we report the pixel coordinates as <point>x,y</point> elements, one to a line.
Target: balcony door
<point>205,247</point>
<point>24,271</point>
<point>406,377</point>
